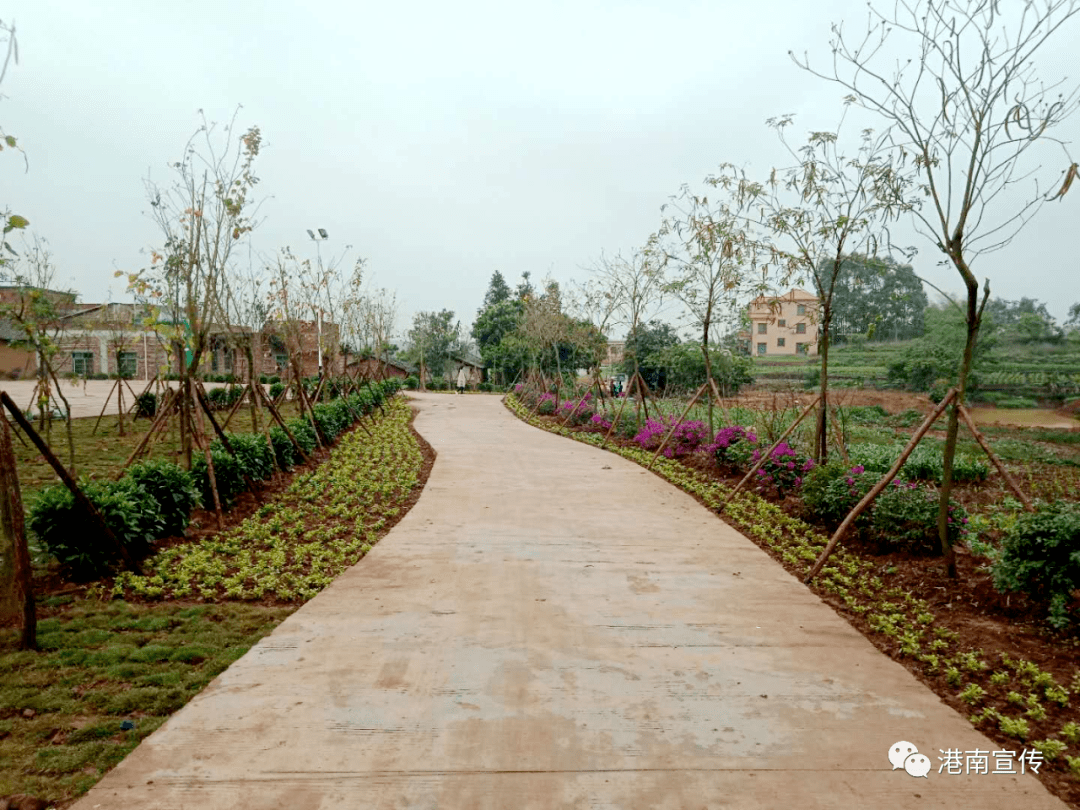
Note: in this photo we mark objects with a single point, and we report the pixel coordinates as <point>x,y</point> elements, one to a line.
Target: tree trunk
<point>821,437</point>
<point>708,377</point>
<point>185,406</point>
<point>13,548</point>
<point>253,380</point>
<point>973,322</point>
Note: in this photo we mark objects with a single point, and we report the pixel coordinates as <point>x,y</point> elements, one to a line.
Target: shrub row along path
<point>552,626</point>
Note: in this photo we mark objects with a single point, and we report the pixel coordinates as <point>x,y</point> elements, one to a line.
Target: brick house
<point>783,324</point>
<point>113,338</point>
<point>372,368</point>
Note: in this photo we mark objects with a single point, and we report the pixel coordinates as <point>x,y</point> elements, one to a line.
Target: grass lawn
<point>107,675</point>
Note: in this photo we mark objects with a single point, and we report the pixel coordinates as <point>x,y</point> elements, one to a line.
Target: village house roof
<point>468,359</point>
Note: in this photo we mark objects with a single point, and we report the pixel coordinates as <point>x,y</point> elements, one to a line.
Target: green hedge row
<point>154,499</point>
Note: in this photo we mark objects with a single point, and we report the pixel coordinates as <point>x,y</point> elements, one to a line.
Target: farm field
<point>991,655</point>
<point>119,655</point>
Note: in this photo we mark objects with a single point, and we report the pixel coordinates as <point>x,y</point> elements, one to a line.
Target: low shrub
<point>172,487</point>
<point>146,405</point>
<point>486,387</point>
<point>304,433</point>
<point>276,389</point>
<point>412,382</point>
<point>579,410</point>
<point>687,436</point>
<point>782,470</point>
<point>131,513</point>
<point>286,454</point>
<point>251,449</point>
<point>904,517</point>
<point>830,491</point>
<point>1040,555</point>
<point>546,404</point>
<point>228,476</point>
<point>733,446</point>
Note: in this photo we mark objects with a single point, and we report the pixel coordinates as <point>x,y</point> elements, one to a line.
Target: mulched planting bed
<point>988,655</point>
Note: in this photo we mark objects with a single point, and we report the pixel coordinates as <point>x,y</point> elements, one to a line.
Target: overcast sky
<point>443,141</point>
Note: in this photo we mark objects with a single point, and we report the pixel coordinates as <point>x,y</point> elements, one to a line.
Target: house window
<point>781,322</point>
<point>800,309</point>
<point>800,328</point>
<point>779,341</point>
<point>127,364</point>
<point>762,348</point>
<point>213,361</point>
<point>281,359</point>
<point>82,363</point>
<point>762,328</point>
<point>800,348</point>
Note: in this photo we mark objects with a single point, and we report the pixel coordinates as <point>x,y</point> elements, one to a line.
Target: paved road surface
<point>85,399</point>
<point>553,627</point>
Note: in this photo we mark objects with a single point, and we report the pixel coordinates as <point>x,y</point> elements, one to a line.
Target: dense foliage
<point>1041,556</point>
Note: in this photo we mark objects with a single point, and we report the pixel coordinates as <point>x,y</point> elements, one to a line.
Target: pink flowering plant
<point>733,446</point>
<point>578,410</point>
<point>599,422</point>
<point>686,438</point>
<point>782,471</point>
<point>546,404</point>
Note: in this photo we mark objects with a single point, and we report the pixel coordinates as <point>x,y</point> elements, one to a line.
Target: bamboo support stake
<point>248,481</point>
<point>839,436</point>
<point>765,456</point>
<point>1009,480</point>
<point>103,407</point>
<point>618,416</point>
<point>162,414</point>
<point>674,425</point>
<point>163,428</point>
<point>236,406</point>
<point>199,435</point>
<point>868,499</point>
<point>281,423</point>
<point>570,415</point>
<point>719,403</point>
<point>80,499</point>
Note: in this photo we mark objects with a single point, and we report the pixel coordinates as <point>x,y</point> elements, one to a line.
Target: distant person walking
<point>462,378</point>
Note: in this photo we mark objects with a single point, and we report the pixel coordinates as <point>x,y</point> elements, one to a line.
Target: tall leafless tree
<point>962,100</point>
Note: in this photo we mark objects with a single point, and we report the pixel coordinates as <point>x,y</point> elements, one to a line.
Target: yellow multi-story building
<point>783,324</point>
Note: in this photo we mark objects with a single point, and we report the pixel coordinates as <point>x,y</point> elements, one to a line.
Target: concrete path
<point>553,627</point>
<point>85,399</point>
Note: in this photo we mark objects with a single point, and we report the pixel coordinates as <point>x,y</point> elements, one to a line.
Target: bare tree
<point>203,217</point>
<point>635,285</point>
<point>823,207</point>
<point>965,106</point>
<point>709,257</point>
<point>38,311</point>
